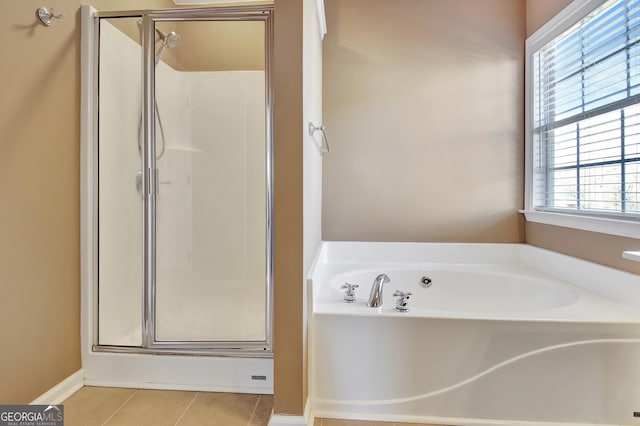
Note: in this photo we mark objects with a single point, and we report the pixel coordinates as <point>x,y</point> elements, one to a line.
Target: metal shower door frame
<point>150,344</point>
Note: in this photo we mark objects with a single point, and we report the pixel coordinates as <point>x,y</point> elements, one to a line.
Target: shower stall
<point>177,198</point>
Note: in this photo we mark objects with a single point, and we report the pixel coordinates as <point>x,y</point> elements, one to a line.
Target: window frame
<point>594,222</point>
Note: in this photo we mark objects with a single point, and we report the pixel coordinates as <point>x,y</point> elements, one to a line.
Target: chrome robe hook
<point>47,15</point>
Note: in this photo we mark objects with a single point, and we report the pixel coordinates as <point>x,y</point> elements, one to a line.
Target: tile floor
<point>98,406</point>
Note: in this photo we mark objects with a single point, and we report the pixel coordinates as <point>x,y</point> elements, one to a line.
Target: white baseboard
<point>451,421</point>
<point>305,420</point>
<point>308,413</point>
<point>62,390</point>
<point>280,420</point>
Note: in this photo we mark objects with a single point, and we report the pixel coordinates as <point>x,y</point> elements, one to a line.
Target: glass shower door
<point>211,179</point>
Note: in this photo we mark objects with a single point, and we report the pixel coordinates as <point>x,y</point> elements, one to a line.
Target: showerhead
<point>171,39</point>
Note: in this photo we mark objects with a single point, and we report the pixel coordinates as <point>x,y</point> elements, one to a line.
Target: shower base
<point>179,372</point>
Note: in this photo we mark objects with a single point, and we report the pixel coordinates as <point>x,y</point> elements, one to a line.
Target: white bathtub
<point>505,334</point>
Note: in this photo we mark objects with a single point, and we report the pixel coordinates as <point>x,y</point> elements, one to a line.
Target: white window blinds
<point>586,115</point>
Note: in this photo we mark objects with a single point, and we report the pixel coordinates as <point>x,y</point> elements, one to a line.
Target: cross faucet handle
<point>349,292</point>
<point>402,304</point>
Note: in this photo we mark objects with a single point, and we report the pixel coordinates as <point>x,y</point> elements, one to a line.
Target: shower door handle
<point>139,177</point>
<point>159,182</point>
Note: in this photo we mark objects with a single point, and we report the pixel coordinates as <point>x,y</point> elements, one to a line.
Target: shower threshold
<point>188,349</point>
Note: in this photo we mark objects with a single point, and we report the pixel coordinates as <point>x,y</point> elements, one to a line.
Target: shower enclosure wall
<point>177,198</point>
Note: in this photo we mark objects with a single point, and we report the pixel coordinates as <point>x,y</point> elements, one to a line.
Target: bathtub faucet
<point>375,297</point>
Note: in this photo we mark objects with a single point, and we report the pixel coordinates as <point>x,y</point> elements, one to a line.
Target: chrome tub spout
<point>375,297</point>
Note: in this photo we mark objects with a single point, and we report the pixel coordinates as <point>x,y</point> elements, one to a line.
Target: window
<point>583,124</point>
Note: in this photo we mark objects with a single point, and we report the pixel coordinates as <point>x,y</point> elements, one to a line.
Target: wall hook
<point>324,148</point>
<point>47,16</point>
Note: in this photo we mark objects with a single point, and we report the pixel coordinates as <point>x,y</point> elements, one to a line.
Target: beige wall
<point>423,103</point>
<point>220,46</point>
<point>289,390</point>
<point>599,248</point>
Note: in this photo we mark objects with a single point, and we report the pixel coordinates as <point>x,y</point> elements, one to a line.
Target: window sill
<point>621,228</point>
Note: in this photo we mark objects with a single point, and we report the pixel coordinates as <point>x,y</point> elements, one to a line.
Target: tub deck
<point>495,291</point>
